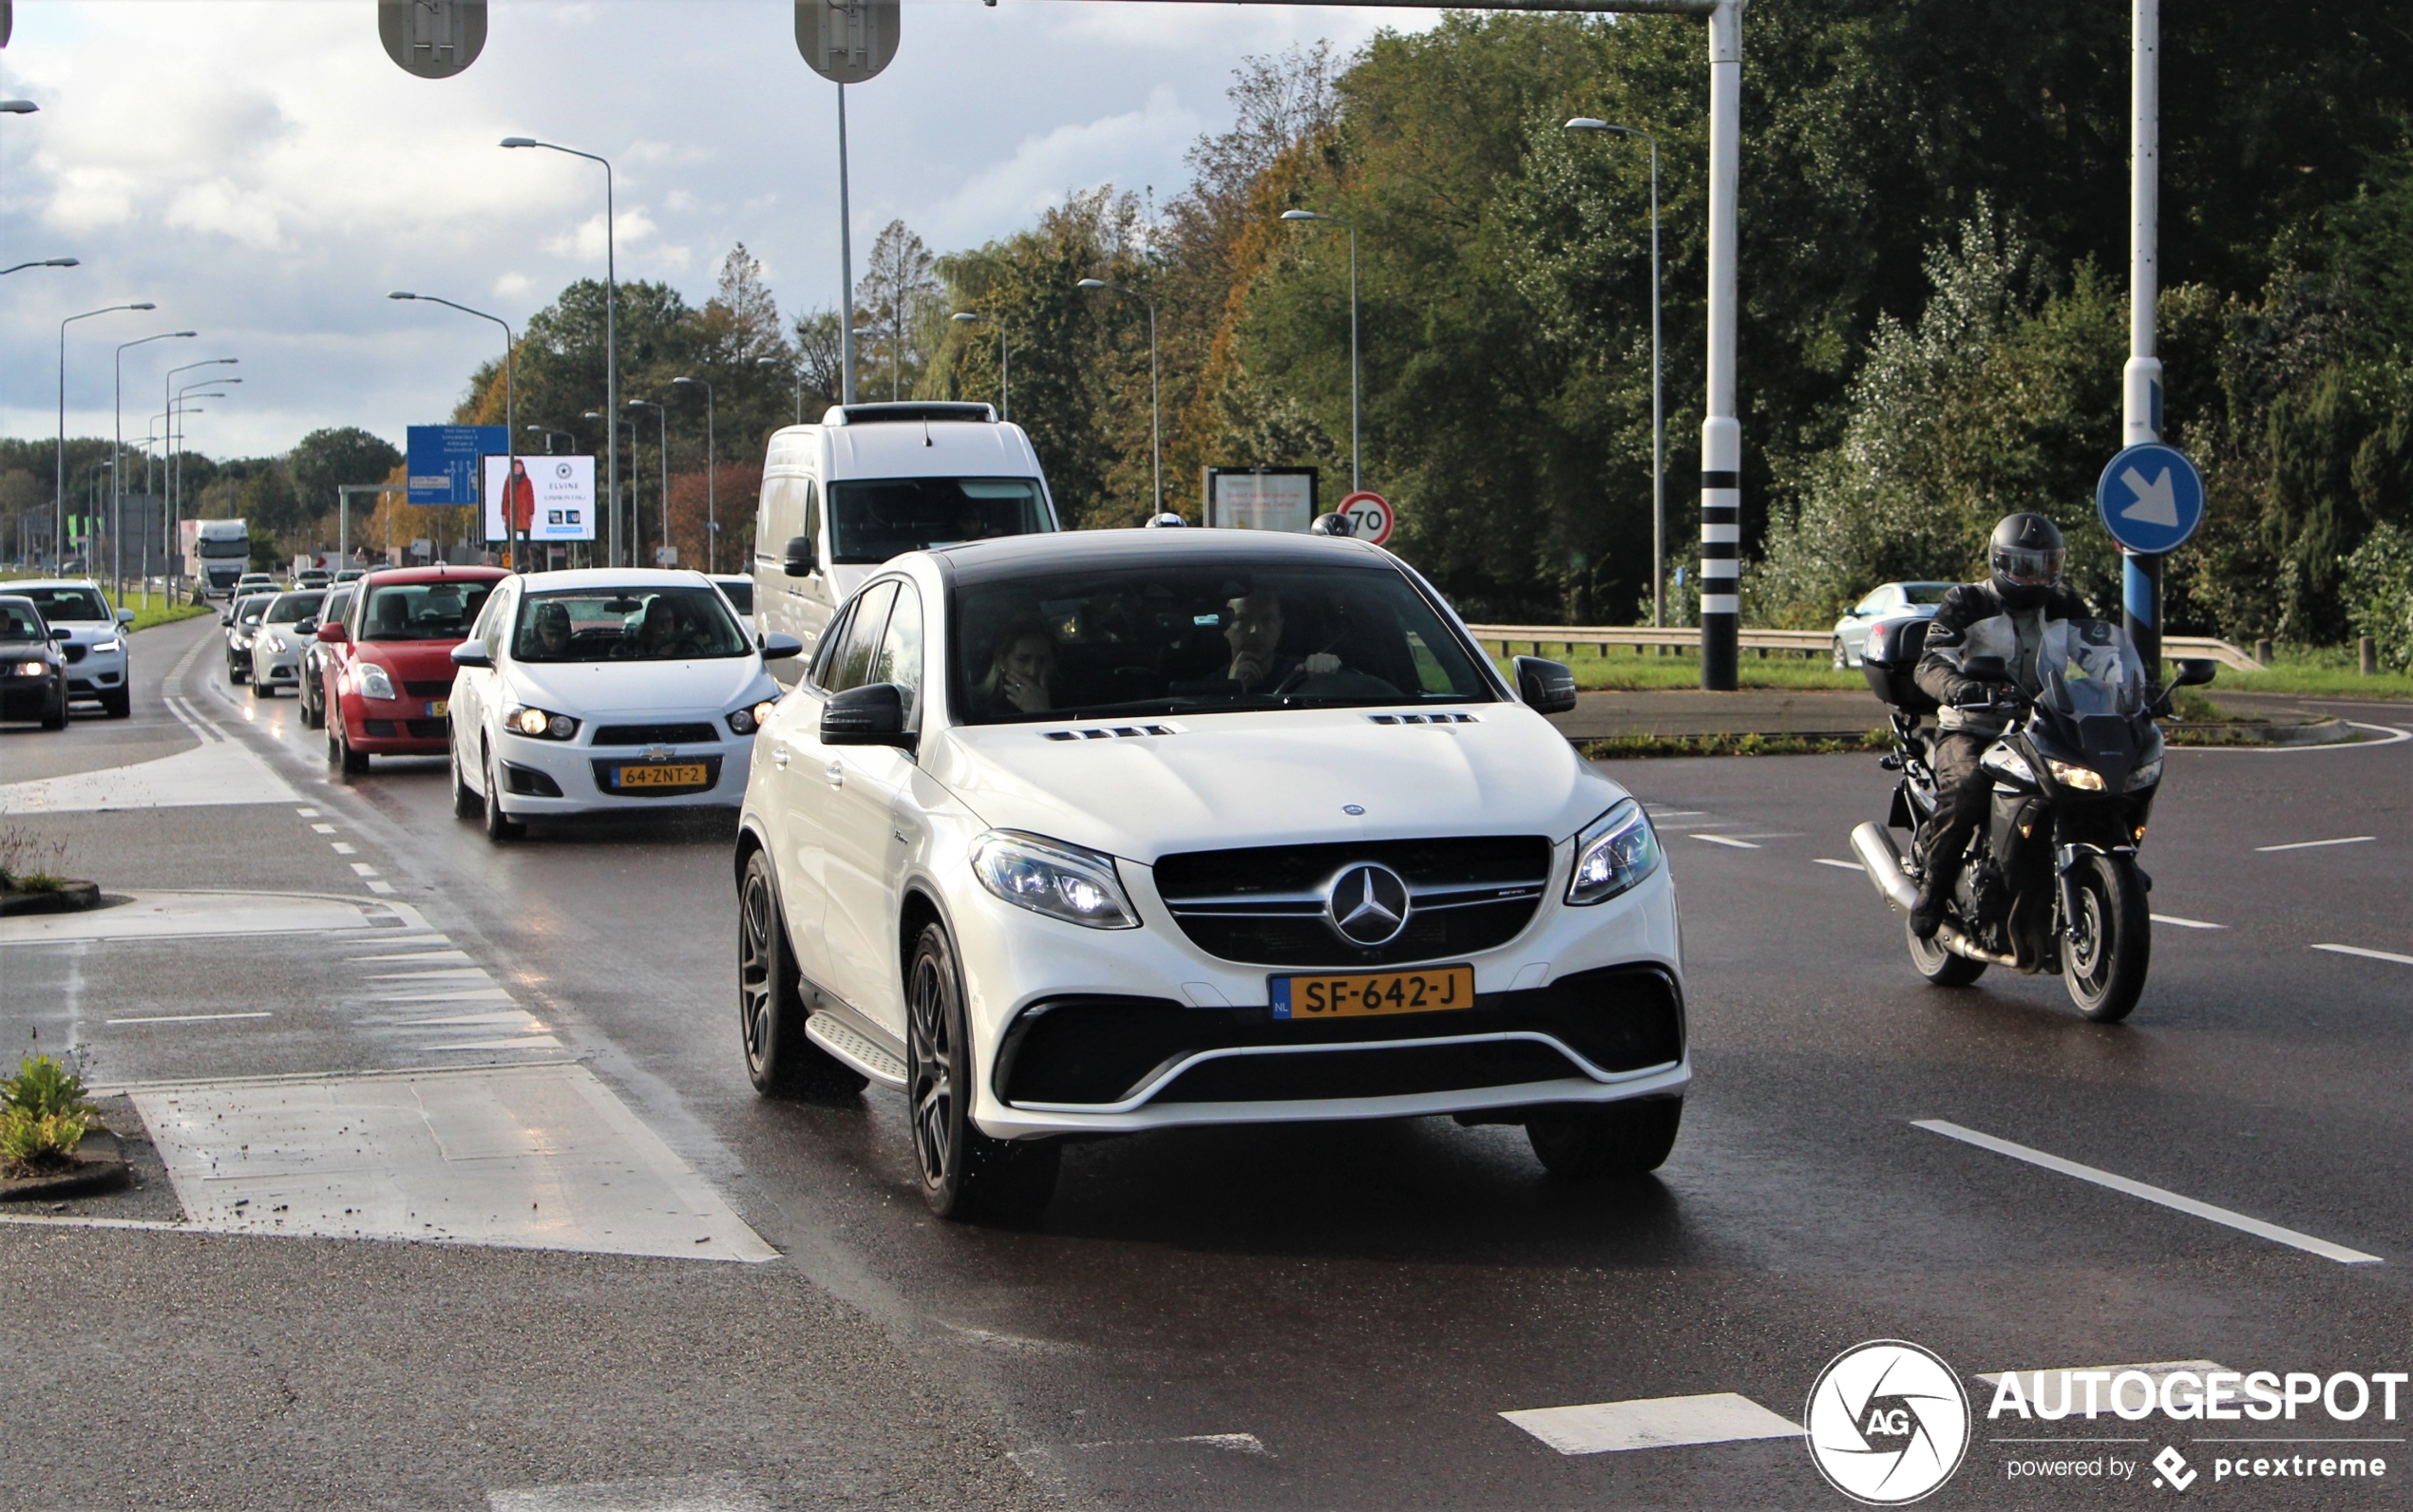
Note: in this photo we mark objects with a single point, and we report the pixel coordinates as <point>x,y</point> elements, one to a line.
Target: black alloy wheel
<point>965,1175</point>
<point>56,717</point>
<point>466,802</point>
<point>1585,1142</point>
<point>500,826</point>
<point>346,761</point>
<point>2108,946</point>
<point>780,1060</point>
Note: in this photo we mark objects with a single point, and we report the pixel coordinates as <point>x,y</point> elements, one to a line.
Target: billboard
<point>1261,497</point>
<point>556,496</point>
<point>443,461</point>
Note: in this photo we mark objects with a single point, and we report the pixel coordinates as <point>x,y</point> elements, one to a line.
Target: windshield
<point>631,624</point>
<point>290,608</point>
<point>1926,593</point>
<point>62,604</point>
<point>19,622</point>
<point>870,522</point>
<point>741,593</point>
<point>2087,666</point>
<point>235,546</point>
<point>1196,636</point>
<point>438,611</point>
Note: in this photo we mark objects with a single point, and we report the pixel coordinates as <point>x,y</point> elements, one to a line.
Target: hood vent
<point>1111,732</point>
<point>1425,719</point>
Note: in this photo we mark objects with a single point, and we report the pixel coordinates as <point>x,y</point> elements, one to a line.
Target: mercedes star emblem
<point>1368,906</point>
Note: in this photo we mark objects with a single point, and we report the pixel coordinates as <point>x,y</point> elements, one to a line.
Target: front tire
<point>780,1060</point>
<point>466,802</point>
<point>498,825</point>
<point>1938,965</point>
<point>2107,948</point>
<point>1842,658</point>
<point>965,1175</point>
<point>118,702</point>
<point>1588,1142</point>
<point>260,692</point>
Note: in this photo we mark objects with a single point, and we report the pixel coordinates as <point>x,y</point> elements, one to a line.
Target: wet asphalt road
<point>1310,1317</point>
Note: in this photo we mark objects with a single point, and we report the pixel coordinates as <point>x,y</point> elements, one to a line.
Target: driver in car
<point>1254,634</point>
<point>661,635</point>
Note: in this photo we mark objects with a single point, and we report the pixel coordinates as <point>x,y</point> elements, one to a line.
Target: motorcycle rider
<point>2005,616</point>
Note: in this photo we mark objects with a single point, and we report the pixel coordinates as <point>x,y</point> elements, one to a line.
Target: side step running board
<point>844,1042</point>
<point>1875,850</point>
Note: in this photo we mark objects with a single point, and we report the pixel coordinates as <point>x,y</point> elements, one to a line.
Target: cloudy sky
<point>265,175</point>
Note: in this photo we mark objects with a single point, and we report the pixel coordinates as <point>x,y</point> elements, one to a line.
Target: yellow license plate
<point>437,708</point>
<point>1362,994</point>
<point>689,774</point>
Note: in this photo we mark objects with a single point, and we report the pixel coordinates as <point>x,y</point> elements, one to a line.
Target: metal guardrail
<point>1808,642</point>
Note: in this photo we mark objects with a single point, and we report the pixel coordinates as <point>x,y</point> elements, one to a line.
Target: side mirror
<point>1987,669</point>
<point>308,627</point>
<point>226,619</point>
<point>2194,673</point>
<point>333,632</point>
<point>800,559</point>
<point>778,646</point>
<point>873,715</point>
<point>471,653</point>
<point>1547,687</point>
<point>125,616</point>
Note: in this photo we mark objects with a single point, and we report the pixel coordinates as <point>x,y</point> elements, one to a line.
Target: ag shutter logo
<point>1888,1422</point>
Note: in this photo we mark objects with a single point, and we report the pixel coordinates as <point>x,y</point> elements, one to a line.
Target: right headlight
<point>375,683</point>
<point>1612,854</point>
<point>1049,877</point>
<point>2145,776</point>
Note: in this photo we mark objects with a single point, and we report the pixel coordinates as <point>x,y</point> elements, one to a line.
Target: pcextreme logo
<point>1888,1423</point>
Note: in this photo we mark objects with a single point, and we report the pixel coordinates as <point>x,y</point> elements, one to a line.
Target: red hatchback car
<point>389,669</point>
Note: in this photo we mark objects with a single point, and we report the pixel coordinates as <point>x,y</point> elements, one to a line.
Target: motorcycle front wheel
<point>2108,945</point>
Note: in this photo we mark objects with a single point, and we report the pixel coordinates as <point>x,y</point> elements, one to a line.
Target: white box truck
<point>217,553</point>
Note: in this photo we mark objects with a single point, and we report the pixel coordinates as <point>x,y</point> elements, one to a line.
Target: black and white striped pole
<point>1720,429</point>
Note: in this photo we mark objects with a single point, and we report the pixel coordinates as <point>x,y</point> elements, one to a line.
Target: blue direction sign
<point>443,461</point>
<point>2151,498</point>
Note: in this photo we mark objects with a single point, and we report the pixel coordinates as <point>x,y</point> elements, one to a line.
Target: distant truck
<point>217,553</point>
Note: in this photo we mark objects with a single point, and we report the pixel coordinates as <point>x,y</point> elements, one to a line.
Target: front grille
<point>442,690</point>
<point>1265,906</point>
<point>653,734</point>
<point>606,770</point>
<point>74,650</point>
<point>381,727</point>
<point>427,728</point>
<point>1100,1050</point>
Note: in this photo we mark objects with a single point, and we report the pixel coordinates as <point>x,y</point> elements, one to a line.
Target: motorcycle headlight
<point>2145,776</point>
<point>541,723</point>
<point>1049,877</point>
<point>2085,779</point>
<point>1613,853</point>
<point>375,683</point>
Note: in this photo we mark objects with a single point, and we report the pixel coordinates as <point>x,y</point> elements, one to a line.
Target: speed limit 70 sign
<point>1368,516</point>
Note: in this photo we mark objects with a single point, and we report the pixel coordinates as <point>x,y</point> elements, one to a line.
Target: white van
<point>872,481</point>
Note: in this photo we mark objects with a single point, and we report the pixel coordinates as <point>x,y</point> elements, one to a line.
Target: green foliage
<point>2379,592</point>
<point>29,861</point>
<point>32,1146</point>
<point>42,1088</point>
<point>1629,747</point>
<point>326,460</point>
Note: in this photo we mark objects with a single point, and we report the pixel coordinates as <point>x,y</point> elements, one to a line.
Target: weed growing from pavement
<point>42,1117</point>
<point>1626,746</point>
<point>29,861</point>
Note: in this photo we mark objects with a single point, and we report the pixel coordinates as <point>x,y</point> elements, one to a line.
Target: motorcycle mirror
<point>2194,673</point>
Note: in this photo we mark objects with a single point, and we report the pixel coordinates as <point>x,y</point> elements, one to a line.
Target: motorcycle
<point>2050,882</point>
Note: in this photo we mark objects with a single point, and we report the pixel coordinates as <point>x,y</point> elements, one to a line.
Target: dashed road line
<point>362,869</point>
<point>1853,867</point>
<point>1653,1423</point>
<point>185,1018</point>
<point>2151,1194</point>
<point>323,829</point>
<point>2375,956</point>
<point>342,849</point>
<point>2314,845</point>
<point>1720,840</point>
<point>2184,923</point>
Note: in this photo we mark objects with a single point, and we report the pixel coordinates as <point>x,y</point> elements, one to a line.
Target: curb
<point>99,1166</point>
<point>2313,732</point>
<point>72,898</point>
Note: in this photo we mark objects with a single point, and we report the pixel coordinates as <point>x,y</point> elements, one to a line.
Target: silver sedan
<point>1885,601</point>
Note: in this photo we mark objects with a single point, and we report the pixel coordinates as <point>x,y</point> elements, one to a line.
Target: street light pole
<point>117,472</point>
<point>512,540</point>
<point>45,262</point>
<point>712,483</point>
<point>2140,380</point>
<point>611,424</point>
<point>846,266</point>
<point>167,462</point>
<point>611,330</point>
<point>1720,429</point>
<point>1005,383</point>
<point>1658,411</point>
<point>662,505</point>
<point>1309,215</point>
<point>1155,393</point>
<point>59,497</point>
<point>797,370</point>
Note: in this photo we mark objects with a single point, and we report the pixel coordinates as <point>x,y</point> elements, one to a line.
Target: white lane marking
<point>170,915</point>
<point>1720,840</point>
<point>2314,845</point>
<point>436,973</point>
<point>185,1018</point>
<point>724,1491</point>
<point>2184,923</point>
<point>215,773</point>
<point>423,955</point>
<point>523,1156</point>
<point>322,829</point>
<point>2151,1194</point>
<point>2376,956</point>
<point>307,813</point>
<point>1849,866</point>
<point>1675,813</point>
<point>362,869</point>
<point>523,1041</point>
<point>342,849</point>
<point>472,995</point>
<point>382,889</point>
<point>1653,1423</point>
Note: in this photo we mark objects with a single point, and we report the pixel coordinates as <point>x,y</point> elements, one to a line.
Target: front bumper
<point>25,698</point>
<point>276,668</point>
<point>96,675</point>
<point>394,726</point>
<point>549,777</point>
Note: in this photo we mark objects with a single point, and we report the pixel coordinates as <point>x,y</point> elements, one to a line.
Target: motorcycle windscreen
<point>2087,666</point>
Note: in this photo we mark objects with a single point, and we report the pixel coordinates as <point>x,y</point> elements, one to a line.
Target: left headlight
<point>31,669</point>
<point>102,648</point>
<point>275,643</point>
<point>2145,776</point>
<point>540,724</point>
<point>1613,853</point>
<point>1049,877</point>
<point>2069,774</point>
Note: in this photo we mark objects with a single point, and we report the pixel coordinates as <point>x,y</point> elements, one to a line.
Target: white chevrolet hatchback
<point>1073,835</point>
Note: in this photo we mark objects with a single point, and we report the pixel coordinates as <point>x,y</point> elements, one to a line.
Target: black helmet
<point>1335,524</point>
<point>2026,555</point>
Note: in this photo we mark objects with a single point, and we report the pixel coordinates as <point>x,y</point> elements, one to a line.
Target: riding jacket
<point>1974,621</point>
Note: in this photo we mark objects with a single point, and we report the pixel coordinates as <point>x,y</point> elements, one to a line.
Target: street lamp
<point>611,328</point>
<point>1309,215</point>
<point>1005,389</point>
<point>512,538</point>
<point>799,370</point>
<point>712,496</point>
<point>176,454</point>
<point>117,475</point>
<point>1658,424</point>
<point>1155,395</point>
<point>612,443</point>
<point>167,462</point>
<point>47,262</point>
<point>59,499</point>
<point>662,505</point>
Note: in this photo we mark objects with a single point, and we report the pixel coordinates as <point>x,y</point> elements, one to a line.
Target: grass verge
<point>1619,667</point>
<point>1622,747</point>
<point>159,614</point>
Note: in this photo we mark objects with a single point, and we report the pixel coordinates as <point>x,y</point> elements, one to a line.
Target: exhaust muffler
<point>1875,850</point>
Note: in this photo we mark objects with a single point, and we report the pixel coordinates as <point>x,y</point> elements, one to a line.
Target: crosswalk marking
<point>1653,1423</point>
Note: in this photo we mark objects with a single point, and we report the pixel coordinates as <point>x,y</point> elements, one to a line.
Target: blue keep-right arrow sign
<point>2151,498</point>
